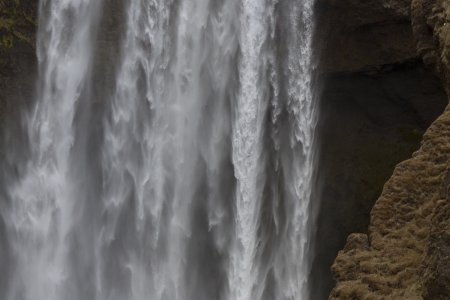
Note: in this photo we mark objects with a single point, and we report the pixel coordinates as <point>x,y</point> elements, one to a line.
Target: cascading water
<point>205,156</point>
<point>38,217</point>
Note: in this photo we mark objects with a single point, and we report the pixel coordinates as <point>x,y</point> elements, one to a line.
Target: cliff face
<point>406,253</point>
<point>368,124</point>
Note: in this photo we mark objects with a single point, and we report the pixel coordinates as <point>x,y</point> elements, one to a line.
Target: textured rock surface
<point>391,267</point>
<point>407,253</point>
<point>368,124</point>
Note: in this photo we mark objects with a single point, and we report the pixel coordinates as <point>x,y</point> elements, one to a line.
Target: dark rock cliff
<point>368,124</point>
<point>406,252</point>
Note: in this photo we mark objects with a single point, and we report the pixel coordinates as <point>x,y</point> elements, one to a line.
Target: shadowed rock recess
<point>406,252</point>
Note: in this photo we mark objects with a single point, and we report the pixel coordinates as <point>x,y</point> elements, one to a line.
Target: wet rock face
<point>368,124</point>
<point>394,265</point>
<point>408,251</point>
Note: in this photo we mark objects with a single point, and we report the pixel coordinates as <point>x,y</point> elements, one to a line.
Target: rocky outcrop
<point>406,253</point>
<point>368,124</point>
<point>391,265</point>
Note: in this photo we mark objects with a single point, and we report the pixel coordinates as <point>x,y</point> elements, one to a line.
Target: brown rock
<point>392,266</point>
<point>357,241</point>
<point>408,256</point>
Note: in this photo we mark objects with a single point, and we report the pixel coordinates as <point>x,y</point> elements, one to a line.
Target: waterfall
<point>39,214</point>
<point>198,183</point>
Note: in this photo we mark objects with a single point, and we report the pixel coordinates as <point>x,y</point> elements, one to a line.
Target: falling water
<point>198,184</point>
<point>39,215</point>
